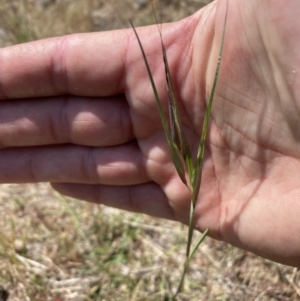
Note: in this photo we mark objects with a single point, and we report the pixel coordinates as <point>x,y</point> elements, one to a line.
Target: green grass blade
<point>158,102</point>
<point>201,239</point>
<point>196,179</point>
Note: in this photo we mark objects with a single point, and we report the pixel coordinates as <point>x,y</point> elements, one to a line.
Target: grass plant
<point>177,141</point>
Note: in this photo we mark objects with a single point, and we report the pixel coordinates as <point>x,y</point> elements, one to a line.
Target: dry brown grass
<point>58,249</point>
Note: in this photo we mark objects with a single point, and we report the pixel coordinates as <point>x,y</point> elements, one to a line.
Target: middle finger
<point>67,119</point>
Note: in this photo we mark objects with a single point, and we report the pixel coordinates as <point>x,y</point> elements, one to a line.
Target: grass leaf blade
<point>196,179</point>
<point>201,239</point>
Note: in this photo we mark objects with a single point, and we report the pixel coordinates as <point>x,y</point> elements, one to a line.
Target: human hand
<point>79,112</point>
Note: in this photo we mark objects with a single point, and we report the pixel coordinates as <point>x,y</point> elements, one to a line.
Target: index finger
<point>93,64</point>
<point>89,64</point>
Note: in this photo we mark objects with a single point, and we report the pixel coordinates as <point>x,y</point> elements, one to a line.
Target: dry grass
<point>59,249</point>
<point>26,20</point>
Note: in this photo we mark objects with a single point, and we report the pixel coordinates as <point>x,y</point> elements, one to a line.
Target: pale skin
<point>79,112</point>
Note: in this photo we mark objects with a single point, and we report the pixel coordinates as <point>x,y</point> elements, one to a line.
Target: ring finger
<point>116,165</point>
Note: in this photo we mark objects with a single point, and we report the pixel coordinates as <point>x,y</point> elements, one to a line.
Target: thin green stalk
<point>187,262</point>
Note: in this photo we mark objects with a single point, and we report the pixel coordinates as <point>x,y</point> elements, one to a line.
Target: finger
<point>122,165</point>
<point>91,64</point>
<point>83,64</point>
<point>84,121</point>
<point>146,198</point>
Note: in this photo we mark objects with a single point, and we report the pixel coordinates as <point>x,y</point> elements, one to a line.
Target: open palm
<point>83,116</point>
